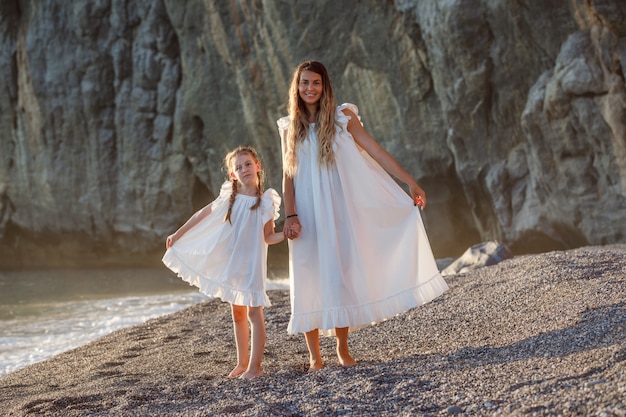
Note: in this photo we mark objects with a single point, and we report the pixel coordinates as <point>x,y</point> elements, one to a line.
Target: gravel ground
<point>537,335</point>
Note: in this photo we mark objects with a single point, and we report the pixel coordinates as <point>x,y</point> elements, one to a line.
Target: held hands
<point>296,228</point>
<point>292,227</point>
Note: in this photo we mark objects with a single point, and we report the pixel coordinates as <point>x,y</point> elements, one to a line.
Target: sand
<point>536,335</point>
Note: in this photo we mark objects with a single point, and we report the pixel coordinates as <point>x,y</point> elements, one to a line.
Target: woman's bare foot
<point>315,365</point>
<point>236,372</point>
<point>343,352</point>
<point>315,355</point>
<point>345,359</point>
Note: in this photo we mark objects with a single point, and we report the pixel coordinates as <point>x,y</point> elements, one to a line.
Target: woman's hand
<point>419,196</point>
<point>292,227</point>
<point>295,228</point>
<point>384,158</point>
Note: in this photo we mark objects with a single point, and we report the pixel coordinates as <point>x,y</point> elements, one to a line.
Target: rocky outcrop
<point>115,115</point>
<point>478,256</point>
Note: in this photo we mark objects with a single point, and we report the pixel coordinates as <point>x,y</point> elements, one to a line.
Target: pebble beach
<point>536,335</point>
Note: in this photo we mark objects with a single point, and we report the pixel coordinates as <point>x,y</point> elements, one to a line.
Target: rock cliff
<point>115,114</point>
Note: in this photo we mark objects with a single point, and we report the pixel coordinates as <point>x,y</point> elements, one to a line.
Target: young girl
<point>363,255</point>
<point>222,250</point>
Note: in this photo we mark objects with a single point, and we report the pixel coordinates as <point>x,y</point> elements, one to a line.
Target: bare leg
<point>257,325</point>
<point>315,355</point>
<point>343,352</point>
<point>240,326</point>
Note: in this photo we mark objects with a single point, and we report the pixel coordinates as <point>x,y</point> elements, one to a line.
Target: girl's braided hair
<point>229,161</point>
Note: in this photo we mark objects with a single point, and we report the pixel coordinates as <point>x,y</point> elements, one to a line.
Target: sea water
<point>43,313</point>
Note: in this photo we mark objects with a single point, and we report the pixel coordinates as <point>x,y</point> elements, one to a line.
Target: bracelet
<point>292,215</point>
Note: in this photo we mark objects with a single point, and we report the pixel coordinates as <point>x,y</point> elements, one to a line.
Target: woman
<point>362,254</point>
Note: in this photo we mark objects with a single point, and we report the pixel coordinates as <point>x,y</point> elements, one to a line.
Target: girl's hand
<point>295,228</point>
<point>170,241</point>
<point>419,196</point>
<point>292,227</point>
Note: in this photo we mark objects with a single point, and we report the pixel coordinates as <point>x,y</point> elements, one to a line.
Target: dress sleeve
<point>224,196</point>
<point>342,119</point>
<point>270,205</point>
<point>283,123</point>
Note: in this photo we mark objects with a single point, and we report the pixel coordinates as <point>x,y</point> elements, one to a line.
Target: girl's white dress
<point>362,255</point>
<point>226,260</point>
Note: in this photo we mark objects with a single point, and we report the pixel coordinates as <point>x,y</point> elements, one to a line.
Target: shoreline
<point>537,334</point>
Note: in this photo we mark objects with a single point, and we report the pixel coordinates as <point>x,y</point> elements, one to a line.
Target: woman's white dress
<point>362,255</point>
<point>224,260</point>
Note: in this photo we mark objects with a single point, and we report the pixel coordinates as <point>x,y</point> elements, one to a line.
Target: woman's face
<point>310,87</point>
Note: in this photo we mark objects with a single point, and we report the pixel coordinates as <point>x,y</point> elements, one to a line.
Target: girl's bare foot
<point>236,372</point>
<point>251,374</point>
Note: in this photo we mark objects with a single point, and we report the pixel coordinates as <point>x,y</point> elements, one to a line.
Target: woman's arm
<point>384,158</point>
<point>189,224</point>
<point>289,196</point>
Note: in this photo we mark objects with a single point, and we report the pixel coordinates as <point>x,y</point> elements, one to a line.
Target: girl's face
<point>310,87</point>
<point>245,169</point>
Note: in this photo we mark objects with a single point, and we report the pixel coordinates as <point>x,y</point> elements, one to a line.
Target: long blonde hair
<point>229,162</point>
<point>299,118</point>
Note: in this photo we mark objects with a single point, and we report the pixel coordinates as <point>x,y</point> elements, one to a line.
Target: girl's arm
<point>289,197</point>
<point>272,237</point>
<point>189,224</point>
<point>384,158</point>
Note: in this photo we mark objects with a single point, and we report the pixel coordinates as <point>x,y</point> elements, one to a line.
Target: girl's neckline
<point>247,195</point>
<point>239,192</point>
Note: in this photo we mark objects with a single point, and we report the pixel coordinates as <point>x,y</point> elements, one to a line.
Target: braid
<point>231,202</point>
<point>259,192</point>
